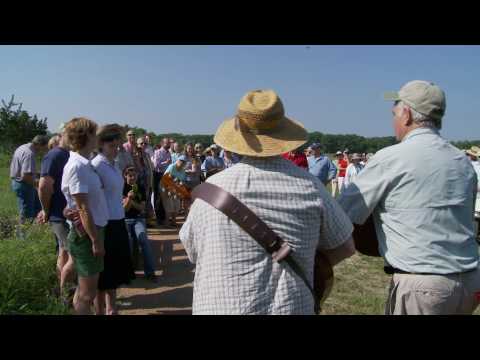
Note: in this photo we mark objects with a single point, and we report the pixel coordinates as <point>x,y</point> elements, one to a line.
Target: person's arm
<point>27,170</point>
<point>340,253</point>
<point>362,196</point>
<point>127,203</point>
<point>88,224</point>
<point>332,171</point>
<point>336,230</point>
<point>45,192</point>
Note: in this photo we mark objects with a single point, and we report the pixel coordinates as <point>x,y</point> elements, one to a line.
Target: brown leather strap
<point>251,224</point>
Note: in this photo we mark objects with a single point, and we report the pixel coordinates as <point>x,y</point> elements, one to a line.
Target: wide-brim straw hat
<point>474,151</point>
<point>260,128</point>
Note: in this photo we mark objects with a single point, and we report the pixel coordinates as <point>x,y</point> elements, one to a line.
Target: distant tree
<point>17,126</point>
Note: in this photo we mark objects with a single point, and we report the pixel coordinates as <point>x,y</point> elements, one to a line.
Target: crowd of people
<point>99,193</point>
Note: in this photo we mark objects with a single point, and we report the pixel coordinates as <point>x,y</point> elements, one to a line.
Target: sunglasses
<point>141,144</point>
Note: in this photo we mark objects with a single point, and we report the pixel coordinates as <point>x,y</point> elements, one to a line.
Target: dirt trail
<point>172,294</point>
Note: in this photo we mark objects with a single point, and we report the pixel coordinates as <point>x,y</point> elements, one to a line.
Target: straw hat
<point>260,128</point>
<point>474,151</point>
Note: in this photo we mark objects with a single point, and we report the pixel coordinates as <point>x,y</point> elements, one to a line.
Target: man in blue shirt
<point>53,202</point>
<point>321,166</point>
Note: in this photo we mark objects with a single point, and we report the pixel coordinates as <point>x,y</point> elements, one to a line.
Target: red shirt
<point>342,163</point>
<point>298,159</point>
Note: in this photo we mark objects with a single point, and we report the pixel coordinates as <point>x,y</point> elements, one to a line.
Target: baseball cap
<point>339,153</point>
<point>315,146</point>
<point>423,96</point>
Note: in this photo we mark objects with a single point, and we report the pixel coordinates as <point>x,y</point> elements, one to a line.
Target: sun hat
<point>260,127</point>
<point>474,151</point>
<point>423,96</point>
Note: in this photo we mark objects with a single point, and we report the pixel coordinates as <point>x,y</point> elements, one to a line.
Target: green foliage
<point>27,267</point>
<point>28,277</point>
<point>17,126</point>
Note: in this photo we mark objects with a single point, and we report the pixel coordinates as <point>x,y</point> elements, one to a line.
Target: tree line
<point>18,127</point>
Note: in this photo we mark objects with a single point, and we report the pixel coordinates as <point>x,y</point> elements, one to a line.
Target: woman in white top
<point>118,268</point>
<point>84,194</point>
<point>353,169</point>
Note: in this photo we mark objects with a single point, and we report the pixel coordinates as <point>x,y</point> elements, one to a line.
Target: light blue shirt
<point>180,175</point>
<point>422,194</point>
<point>211,163</point>
<point>322,167</point>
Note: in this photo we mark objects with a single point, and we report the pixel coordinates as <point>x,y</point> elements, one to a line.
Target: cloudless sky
<point>192,89</point>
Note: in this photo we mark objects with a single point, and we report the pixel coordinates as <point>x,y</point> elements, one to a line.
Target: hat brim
<point>391,96</point>
<point>288,135</point>
<point>470,152</point>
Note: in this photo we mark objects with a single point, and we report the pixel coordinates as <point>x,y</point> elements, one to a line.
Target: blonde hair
<point>54,141</point>
<point>77,132</point>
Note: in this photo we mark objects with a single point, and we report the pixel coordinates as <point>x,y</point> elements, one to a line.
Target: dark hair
<point>40,140</point>
<point>129,169</point>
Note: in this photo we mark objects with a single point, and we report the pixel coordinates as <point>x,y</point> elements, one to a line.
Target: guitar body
<point>175,188</point>
<point>365,238</point>
<point>322,279</point>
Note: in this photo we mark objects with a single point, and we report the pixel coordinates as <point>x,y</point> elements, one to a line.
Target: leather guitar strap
<point>251,224</point>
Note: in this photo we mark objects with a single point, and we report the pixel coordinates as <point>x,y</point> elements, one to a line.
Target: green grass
<point>27,267</point>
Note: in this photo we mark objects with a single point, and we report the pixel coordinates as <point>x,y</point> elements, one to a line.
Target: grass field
<point>27,267</point>
<point>27,272</point>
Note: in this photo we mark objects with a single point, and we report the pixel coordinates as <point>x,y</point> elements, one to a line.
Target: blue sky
<point>191,89</point>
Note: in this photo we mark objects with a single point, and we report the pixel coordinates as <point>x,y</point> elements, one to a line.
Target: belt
<point>391,270</point>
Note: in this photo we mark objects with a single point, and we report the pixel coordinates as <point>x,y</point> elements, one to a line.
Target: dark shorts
<point>81,251</point>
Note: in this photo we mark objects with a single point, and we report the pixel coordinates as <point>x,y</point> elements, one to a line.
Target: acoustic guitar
<point>175,188</point>
<point>365,238</point>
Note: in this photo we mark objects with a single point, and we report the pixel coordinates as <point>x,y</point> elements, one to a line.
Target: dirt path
<point>172,294</point>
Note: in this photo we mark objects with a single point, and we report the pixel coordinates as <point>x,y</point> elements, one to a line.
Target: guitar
<point>178,189</point>
<point>365,238</point>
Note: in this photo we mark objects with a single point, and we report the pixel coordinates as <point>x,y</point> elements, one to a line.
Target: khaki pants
<point>433,294</point>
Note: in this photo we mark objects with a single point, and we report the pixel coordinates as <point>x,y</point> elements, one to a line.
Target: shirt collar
<point>104,159</point>
<point>420,131</point>
<point>79,158</point>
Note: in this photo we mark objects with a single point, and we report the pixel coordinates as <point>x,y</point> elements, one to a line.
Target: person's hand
<point>71,214</point>
<point>42,217</point>
<point>131,195</point>
<point>98,249</point>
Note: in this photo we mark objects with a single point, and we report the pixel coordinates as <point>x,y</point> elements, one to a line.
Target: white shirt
<point>234,274</point>
<point>79,177</point>
<point>113,186</point>
<point>351,173</point>
<point>476,167</point>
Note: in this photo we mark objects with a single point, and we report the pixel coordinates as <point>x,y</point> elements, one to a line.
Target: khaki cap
<point>423,96</point>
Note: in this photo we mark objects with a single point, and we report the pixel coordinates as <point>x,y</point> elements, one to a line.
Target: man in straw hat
<point>234,274</point>
<point>421,195</point>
